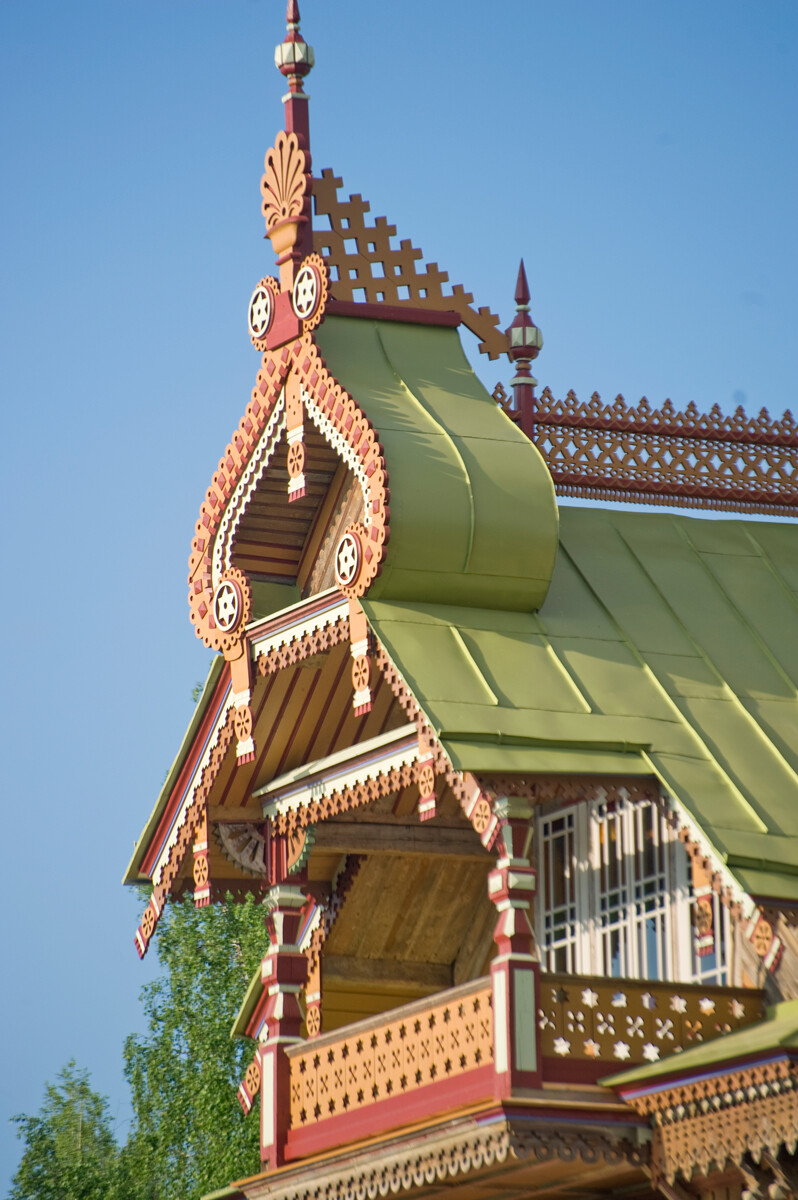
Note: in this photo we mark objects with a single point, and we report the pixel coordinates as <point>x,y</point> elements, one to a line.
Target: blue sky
<point>641,157</point>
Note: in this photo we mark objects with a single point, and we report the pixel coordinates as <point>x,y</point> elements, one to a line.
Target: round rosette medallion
<point>309,293</point>
<point>260,313</point>
<point>348,560</point>
<point>221,622</point>
<point>227,605</point>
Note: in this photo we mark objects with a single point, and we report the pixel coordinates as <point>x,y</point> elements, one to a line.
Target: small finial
<point>524,344</point>
<point>294,58</point>
<point>522,287</point>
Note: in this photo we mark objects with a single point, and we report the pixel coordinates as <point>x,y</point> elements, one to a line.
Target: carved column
<point>283,974</point>
<point>514,971</point>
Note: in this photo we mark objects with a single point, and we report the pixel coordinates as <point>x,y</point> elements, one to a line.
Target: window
<point>614,896</point>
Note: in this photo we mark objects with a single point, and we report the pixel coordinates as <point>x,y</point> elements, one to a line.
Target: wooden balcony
<point>426,1057</point>
<point>436,1056</point>
<point>595,1026</point>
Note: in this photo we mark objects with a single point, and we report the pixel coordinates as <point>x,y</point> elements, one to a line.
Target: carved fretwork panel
<point>366,266</point>
<point>744,1117</point>
<point>662,456</point>
<point>625,1021</point>
<point>391,1057</point>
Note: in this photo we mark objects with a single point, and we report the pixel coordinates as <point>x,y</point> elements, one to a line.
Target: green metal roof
<point>778,1031</point>
<point>473,514</point>
<point>667,645</point>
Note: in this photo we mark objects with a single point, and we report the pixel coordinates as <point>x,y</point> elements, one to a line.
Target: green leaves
<point>189,1135</point>
<point>70,1152</point>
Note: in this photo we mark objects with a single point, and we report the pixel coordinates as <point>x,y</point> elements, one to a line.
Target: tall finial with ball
<point>524,343</point>
<point>294,59</point>
<point>287,185</point>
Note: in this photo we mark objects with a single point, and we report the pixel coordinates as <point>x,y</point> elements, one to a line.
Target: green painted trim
<point>777,1032</point>
<point>251,998</point>
<point>132,873</point>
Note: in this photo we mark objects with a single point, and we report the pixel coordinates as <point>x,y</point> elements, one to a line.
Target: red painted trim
<point>667,429</point>
<point>278,718</point>
<point>433,1100</point>
<point>314,686</point>
<point>313,751</point>
<point>592,1116</point>
<point>393,312</point>
<point>583,1070</point>
<point>620,483</point>
<point>177,795</point>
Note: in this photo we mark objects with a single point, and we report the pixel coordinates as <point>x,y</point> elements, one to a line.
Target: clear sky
<point>642,157</point>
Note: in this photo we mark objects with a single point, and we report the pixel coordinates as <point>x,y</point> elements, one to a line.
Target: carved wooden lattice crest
<point>365,266</point>
<point>662,456</point>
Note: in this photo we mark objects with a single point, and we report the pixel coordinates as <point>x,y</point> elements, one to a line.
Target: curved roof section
<point>473,515</point>
<point>667,646</point>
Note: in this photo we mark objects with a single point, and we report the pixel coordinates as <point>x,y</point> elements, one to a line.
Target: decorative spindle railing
<point>688,459</point>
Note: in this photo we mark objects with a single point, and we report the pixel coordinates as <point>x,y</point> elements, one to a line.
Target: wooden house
<point>517,781</point>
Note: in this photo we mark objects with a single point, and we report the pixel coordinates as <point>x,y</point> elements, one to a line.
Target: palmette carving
<point>284,181</point>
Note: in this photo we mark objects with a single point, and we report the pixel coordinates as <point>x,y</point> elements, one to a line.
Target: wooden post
<point>514,971</point>
<point>283,974</point>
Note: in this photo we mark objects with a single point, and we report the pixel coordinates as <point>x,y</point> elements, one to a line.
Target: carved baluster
<point>425,778</point>
<point>360,641</point>
<point>295,435</point>
<point>241,684</point>
<point>525,341</point>
<point>514,971</point>
<point>202,875</point>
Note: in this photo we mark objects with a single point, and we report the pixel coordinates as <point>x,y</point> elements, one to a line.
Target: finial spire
<point>525,341</point>
<point>294,59</point>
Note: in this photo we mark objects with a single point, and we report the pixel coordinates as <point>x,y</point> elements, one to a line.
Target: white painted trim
<point>298,629</point>
<point>236,506</point>
<point>342,447</point>
<point>188,798</point>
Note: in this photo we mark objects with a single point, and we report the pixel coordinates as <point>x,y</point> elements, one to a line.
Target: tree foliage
<point>190,1135</point>
<point>70,1151</point>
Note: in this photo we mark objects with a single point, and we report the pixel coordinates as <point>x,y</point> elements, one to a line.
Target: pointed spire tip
<point>521,286</point>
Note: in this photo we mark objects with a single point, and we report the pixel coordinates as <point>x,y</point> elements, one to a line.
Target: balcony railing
<point>626,1022</point>
<point>436,1055</point>
<point>419,1059</point>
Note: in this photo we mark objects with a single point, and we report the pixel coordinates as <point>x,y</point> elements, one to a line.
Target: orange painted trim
<point>349,424</point>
